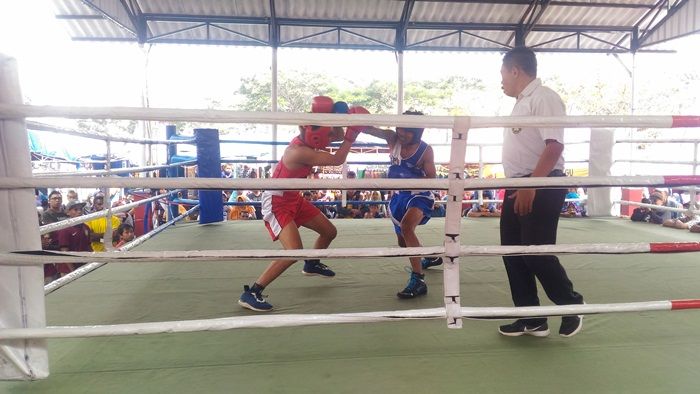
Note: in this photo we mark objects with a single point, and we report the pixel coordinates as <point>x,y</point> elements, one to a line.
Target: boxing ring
<point>654,351</point>
<point>170,294</point>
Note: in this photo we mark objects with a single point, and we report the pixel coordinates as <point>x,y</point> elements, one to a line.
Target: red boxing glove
<point>322,104</point>
<point>352,132</point>
<point>358,109</point>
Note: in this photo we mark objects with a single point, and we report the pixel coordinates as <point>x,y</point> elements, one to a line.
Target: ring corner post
<point>453,222</point>
<point>22,299</point>
<point>209,166</point>
<point>600,162</point>
<point>171,172</point>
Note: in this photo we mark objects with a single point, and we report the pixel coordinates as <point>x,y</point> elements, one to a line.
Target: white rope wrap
<point>292,320</point>
<point>9,111</point>
<point>97,136</point>
<point>118,171</point>
<point>657,207</point>
<point>191,256</point>
<point>342,184</point>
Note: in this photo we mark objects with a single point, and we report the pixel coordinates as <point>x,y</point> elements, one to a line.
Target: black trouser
<point>537,228</point>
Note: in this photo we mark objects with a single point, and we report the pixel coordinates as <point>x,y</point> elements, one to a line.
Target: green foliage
<point>295,91</point>
<point>297,88</point>
<point>597,98</point>
<point>108,126</point>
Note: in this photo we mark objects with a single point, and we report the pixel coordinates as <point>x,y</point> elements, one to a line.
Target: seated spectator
<point>500,195</point>
<point>256,195</point>
<point>659,216</point>
<point>485,209</point>
<point>75,238</point>
<point>124,217</point>
<point>695,228</point>
<point>72,195</point>
<point>641,214</point>
<point>42,204</point>
<point>98,202</point>
<point>241,212</point>
<point>467,206</point>
<point>373,212</point>
<point>225,197</point>
<point>124,234</point>
<point>438,208</point>
<point>573,208</point>
<point>160,208</point>
<point>353,210</point>
<point>329,210</point>
<point>376,195</point>
<point>226,171</point>
<point>98,227</point>
<point>55,212</point>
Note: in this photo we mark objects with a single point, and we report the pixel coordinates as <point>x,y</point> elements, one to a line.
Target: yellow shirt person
<point>98,227</point>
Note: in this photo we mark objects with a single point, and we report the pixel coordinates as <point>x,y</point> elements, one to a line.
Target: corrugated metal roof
<point>464,25</point>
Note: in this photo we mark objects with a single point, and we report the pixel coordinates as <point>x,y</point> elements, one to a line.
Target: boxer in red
<point>285,210</point>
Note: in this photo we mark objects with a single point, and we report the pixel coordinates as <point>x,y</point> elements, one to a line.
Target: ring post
<point>211,207</point>
<point>600,162</point>
<point>172,172</point>
<point>453,222</point>
<point>21,288</point>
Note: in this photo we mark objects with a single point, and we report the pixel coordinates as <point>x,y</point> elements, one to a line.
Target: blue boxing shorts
<point>403,200</point>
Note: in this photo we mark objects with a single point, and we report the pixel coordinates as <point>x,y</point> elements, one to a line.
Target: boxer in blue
<point>410,158</point>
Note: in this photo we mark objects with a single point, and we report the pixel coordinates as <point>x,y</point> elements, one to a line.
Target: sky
<point>56,71</point>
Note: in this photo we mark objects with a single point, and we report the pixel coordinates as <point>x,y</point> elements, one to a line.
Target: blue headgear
<point>416,131</point>
<point>417,134</point>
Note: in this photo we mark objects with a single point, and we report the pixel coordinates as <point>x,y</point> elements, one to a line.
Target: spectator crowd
<point>80,237</point>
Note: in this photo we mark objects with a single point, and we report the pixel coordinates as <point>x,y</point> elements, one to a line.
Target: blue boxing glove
<point>340,107</point>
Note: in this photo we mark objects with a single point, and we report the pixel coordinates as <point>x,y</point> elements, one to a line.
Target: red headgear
<point>318,137</point>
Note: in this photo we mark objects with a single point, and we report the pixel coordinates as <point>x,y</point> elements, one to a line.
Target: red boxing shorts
<point>281,208</point>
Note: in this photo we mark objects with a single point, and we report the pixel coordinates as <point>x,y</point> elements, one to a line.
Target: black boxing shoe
<point>520,327</point>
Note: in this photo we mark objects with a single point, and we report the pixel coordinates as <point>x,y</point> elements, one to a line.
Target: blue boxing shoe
<point>427,262</point>
<point>253,300</point>
<point>316,268</point>
<point>416,287</point>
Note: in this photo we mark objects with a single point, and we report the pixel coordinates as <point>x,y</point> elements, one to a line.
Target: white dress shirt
<point>522,147</point>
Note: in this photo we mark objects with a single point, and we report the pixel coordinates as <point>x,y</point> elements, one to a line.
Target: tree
<point>597,98</point>
<point>295,91</point>
<point>108,126</point>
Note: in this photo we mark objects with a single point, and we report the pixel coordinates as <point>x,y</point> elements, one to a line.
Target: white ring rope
<point>47,228</point>
<point>98,136</point>
<point>484,201</point>
<point>117,171</point>
<point>14,111</point>
<point>658,207</point>
<point>192,256</point>
<point>81,271</point>
<point>342,184</point>
<point>461,124</point>
<point>292,320</point>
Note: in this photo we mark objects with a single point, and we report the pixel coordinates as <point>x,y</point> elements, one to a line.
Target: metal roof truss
<point>609,26</point>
